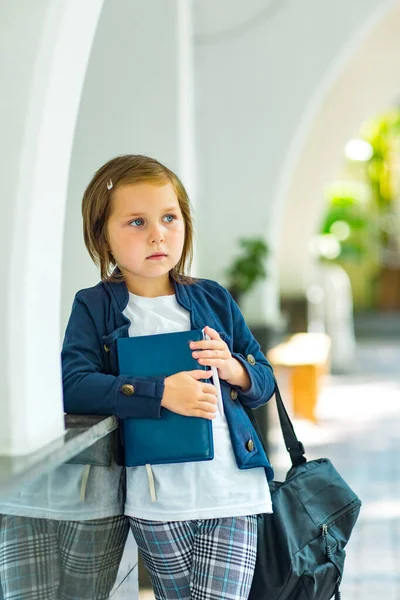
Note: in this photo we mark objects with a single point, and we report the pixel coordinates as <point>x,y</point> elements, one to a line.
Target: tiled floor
<point>359,430</point>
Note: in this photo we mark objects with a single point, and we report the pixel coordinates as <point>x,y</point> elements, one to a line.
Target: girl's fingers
<point>203,414</point>
<point>212,362</point>
<point>208,345</point>
<point>207,407</point>
<point>210,399</point>
<point>211,354</point>
<point>214,335</point>
<point>209,388</point>
<point>200,374</point>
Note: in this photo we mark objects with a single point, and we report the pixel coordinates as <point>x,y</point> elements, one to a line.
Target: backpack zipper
<point>328,552</point>
<point>339,513</point>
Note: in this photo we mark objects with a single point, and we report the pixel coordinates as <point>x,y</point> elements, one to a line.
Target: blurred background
<point>282,118</point>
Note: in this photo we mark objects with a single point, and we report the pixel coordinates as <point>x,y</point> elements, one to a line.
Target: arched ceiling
<point>364,81</point>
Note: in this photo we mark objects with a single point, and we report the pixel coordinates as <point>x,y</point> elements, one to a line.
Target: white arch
<point>34,414</point>
<point>362,82</point>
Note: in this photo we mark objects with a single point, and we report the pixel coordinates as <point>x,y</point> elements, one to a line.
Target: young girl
<point>198,532</point>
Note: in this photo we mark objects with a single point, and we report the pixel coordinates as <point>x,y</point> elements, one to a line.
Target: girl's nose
<point>156,235</point>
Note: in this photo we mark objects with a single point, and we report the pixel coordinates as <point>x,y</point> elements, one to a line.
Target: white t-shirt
<point>195,490</point>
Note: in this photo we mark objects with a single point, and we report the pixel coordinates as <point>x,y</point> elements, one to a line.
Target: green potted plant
<point>248,268</point>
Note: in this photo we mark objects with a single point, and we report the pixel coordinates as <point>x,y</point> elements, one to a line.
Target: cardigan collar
<point>119,292</point>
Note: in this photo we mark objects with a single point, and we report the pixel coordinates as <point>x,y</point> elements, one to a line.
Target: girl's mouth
<point>157,256</point>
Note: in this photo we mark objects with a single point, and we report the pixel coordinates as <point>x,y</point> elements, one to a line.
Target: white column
<point>54,40</point>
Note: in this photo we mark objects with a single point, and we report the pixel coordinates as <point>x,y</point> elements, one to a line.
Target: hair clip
<point>109,184</point>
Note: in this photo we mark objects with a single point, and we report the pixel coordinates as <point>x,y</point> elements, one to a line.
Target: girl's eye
<point>136,222</point>
<point>169,218</point>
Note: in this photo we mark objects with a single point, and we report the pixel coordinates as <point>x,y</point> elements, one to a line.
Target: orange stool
<point>306,356</point>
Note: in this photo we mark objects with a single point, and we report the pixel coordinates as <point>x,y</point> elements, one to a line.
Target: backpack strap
<point>293,445</point>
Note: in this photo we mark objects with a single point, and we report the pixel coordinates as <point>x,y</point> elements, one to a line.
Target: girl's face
<point>146,233</point>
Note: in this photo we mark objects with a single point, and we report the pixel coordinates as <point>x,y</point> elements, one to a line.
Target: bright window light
<point>358,150</point>
<point>340,229</point>
<point>325,245</point>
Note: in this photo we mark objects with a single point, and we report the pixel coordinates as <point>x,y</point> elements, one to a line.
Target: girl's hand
<point>185,395</point>
<point>215,353</point>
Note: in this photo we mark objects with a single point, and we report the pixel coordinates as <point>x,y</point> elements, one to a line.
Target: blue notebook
<point>172,438</point>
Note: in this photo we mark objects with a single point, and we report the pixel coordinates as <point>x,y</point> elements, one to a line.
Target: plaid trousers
<point>43,559</point>
<point>210,559</point>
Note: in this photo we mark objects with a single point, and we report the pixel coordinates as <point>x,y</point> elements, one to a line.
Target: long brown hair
<point>129,169</point>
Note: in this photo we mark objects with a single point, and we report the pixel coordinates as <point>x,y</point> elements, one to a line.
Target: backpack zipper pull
<point>328,550</point>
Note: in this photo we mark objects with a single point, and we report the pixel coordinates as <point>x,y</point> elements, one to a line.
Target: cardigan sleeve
<point>88,389</point>
<point>248,352</point>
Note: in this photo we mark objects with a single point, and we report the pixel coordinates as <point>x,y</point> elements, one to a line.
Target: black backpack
<point>300,549</point>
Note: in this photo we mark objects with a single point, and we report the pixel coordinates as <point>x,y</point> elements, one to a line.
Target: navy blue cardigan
<point>92,384</point>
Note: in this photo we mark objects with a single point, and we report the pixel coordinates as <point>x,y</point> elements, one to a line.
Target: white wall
<point>136,100</point>
<point>258,66</point>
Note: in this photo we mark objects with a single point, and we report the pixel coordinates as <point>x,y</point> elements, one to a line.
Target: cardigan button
<point>127,389</point>
<point>234,394</point>
<point>250,445</point>
<point>250,359</point>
